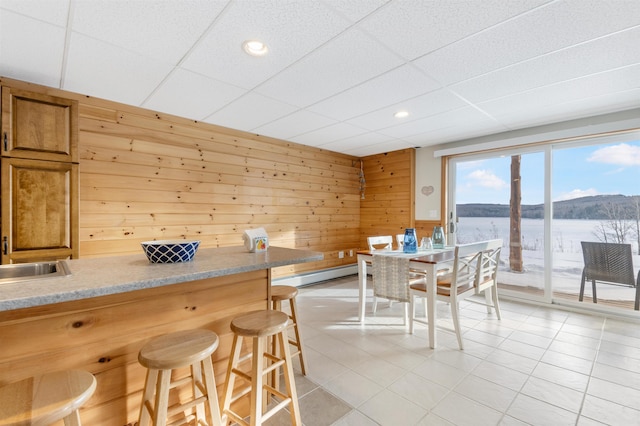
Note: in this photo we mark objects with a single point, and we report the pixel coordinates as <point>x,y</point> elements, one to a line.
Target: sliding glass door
<point>544,202</point>
<point>502,196</point>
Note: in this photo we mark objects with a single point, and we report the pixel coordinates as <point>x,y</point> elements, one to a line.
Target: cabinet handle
<point>6,143</point>
<point>5,246</point>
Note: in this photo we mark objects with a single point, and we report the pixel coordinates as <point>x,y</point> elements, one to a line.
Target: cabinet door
<point>38,126</point>
<point>39,210</point>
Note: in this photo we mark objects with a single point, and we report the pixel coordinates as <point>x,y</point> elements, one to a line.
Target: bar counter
<point>99,317</point>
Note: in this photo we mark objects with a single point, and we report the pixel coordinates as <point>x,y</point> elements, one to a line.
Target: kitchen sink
<point>29,271</point>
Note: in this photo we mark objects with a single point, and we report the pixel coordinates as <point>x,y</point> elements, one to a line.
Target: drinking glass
<point>426,243</point>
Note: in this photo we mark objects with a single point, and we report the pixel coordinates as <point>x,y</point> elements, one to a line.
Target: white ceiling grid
<point>337,70</point>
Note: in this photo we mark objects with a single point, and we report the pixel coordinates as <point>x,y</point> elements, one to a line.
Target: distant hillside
<point>594,207</point>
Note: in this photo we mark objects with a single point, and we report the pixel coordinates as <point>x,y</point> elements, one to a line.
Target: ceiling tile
<point>30,50</point>
<point>123,76</point>
<point>397,85</point>
<point>290,30</point>
<point>53,12</point>
<point>328,134</point>
<point>416,27</point>
<point>190,95</point>
<point>355,10</point>
<point>297,123</point>
<point>250,112</point>
<point>611,52</point>
<point>456,118</point>
<point>348,60</point>
<point>419,107</point>
<point>555,26</point>
<point>160,29</point>
<point>364,144</point>
<point>536,101</point>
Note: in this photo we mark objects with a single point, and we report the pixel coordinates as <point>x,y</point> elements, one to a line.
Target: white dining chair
<point>474,271</point>
<point>400,241</point>
<point>381,242</point>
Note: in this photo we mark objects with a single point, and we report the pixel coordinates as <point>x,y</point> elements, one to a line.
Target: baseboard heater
<point>310,278</point>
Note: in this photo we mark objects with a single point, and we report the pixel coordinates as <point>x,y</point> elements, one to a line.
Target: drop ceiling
<point>337,70</point>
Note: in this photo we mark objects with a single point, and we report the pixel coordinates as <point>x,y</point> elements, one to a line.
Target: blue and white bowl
<point>170,251</point>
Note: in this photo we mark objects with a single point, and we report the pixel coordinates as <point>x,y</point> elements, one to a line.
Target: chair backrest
<point>488,265</point>
<point>609,262</point>
<point>475,266</point>
<point>465,266</point>
<point>380,243</point>
<point>400,241</point>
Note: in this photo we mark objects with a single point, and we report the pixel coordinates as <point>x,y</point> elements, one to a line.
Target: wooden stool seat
<point>283,292</point>
<point>161,355</point>
<point>260,323</point>
<point>260,326</point>
<point>287,292</point>
<point>45,399</point>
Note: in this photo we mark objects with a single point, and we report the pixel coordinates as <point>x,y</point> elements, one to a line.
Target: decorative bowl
<point>170,251</point>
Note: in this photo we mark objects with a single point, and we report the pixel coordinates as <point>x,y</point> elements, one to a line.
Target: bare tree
<point>515,232</point>
<point>616,227</point>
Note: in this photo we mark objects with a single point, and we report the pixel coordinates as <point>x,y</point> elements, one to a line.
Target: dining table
<point>426,262</point>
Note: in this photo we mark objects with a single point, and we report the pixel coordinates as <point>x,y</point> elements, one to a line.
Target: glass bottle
<point>438,237</point>
<point>410,244</point>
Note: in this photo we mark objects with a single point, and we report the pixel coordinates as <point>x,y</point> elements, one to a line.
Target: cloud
<point>577,193</point>
<point>486,179</point>
<point>621,155</point>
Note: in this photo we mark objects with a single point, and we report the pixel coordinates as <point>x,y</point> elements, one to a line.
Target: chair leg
<point>296,331</point>
<point>496,304</point>
<point>72,419</point>
<point>212,393</point>
<point>582,282</point>
<point>488,300</point>
<point>456,323</point>
<point>407,317</point>
<point>637,304</point>
<point>593,284</point>
<point>144,419</point>
<point>412,311</point>
<point>230,378</point>
<point>289,378</point>
<point>375,304</point>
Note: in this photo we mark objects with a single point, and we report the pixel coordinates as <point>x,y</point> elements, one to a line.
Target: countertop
<point>119,274</point>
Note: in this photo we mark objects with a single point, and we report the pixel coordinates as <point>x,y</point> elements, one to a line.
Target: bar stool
<point>259,326</point>
<point>286,292</point>
<point>45,399</point>
<point>161,355</point>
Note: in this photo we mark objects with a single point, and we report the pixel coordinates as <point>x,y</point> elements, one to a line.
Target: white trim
<point>317,276</point>
<point>587,127</point>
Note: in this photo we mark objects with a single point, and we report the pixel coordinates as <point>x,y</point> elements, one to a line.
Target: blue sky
<point>577,172</point>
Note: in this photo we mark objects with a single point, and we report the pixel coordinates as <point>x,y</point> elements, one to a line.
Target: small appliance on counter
<point>256,240</point>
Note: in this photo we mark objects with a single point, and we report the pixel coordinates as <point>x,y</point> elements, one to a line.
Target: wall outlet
<point>350,253</point>
<point>340,255</point>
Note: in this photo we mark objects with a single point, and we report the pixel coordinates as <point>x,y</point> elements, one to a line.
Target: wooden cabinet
<point>38,210</point>
<point>39,126</point>
<point>39,177</point>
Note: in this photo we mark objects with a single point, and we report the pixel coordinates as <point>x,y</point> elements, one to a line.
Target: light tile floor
<point>536,366</point>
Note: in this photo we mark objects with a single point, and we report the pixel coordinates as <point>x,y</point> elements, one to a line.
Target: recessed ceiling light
<point>255,48</point>
<point>401,114</point>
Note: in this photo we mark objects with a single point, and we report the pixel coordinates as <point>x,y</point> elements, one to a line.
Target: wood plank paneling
<point>388,204</point>
<point>103,335</point>
<point>145,175</point>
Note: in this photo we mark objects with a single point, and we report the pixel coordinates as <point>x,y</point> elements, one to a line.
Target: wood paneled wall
<point>146,175</point>
<point>389,196</point>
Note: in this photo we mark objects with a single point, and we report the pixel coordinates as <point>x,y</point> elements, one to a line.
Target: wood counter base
<point>104,334</point>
